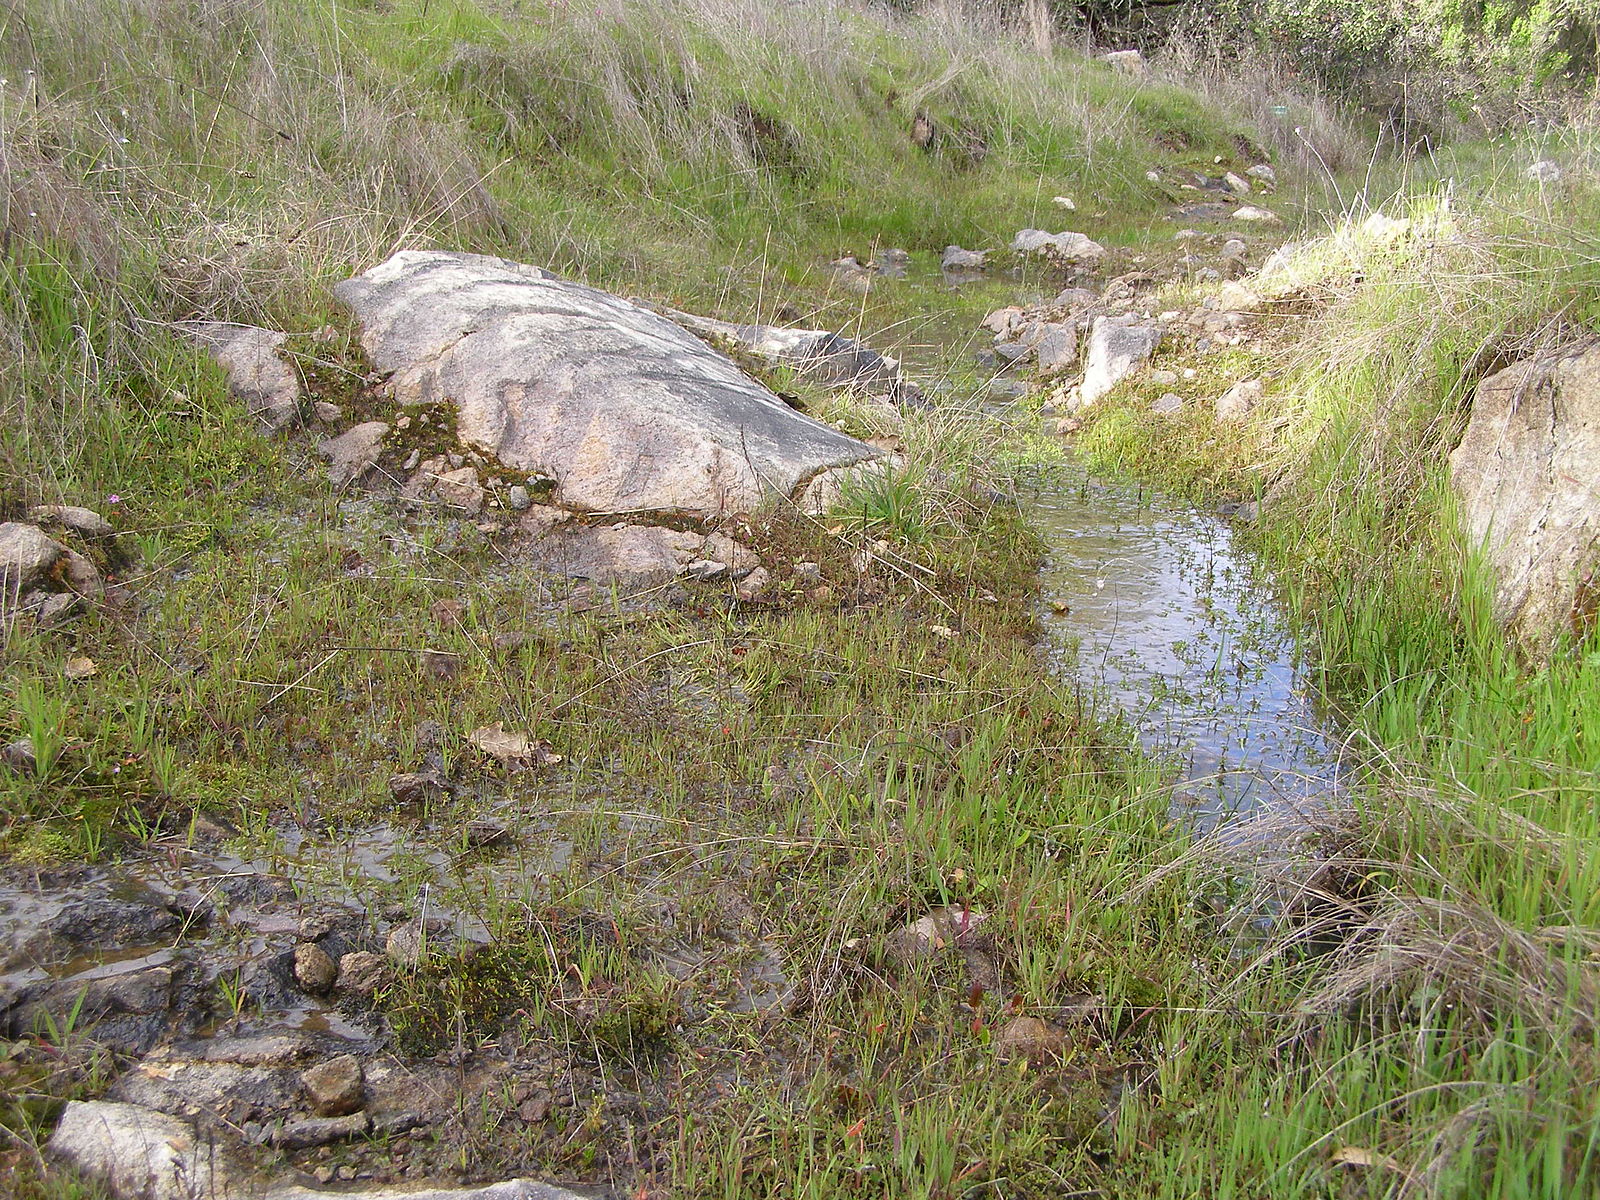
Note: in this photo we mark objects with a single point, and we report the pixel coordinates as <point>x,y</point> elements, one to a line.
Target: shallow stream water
<point>1157,612</point>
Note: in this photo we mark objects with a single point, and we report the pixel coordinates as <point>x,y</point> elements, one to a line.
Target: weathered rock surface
<point>816,354</point>
<point>1524,473</point>
<point>1117,348</point>
<point>623,409</point>
<point>140,1154</point>
<point>83,521</point>
<point>1065,247</point>
<point>634,555</point>
<point>354,452</point>
<point>27,554</point>
<point>257,375</point>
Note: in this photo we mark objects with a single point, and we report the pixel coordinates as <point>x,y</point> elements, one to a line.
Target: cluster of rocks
<point>41,574</point>
<point>1085,343</point>
<point>138,958</point>
<point>859,276</point>
<point>609,440</point>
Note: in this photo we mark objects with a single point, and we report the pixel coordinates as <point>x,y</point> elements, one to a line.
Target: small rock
<point>26,556</point>
<point>1074,297</point>
<point>753,584</point>
<point>418,787</point>
<point>257,374</point>
<point>335,1087</point>
<point>314,968</point>
<point>1263,172</point>
<point>320,1131</point>
<point>1164,378</point>
<point>1117,347</point>
<point>354,452</point>
<point>56,607</point>
<point>1238,401</point>
<point>1544,171</point>
<point>1065,202</point>
<point>1030,1038</point>
<point>932,933</point>
<point>409,942</point>
<point>1168,404</point>
<point>1002,320</point>
<point>460,488</point>
<point>893,263</point>
<point>83,521</point>
<point>361,972</point>
<point>518,498</point>
<point>1153,176</point>
<point>327,412</point>
<point>1126,62</point>
<point>807,574</point>
<point>18,755</point>
<point>441,664</point>
<point>1250,212</point>
<point>1057,347</point>
<point>1237,184</point>
<point>79,574</point>
<point>1061,247</point>
<point>1186,235</point>
<point>955,258</point>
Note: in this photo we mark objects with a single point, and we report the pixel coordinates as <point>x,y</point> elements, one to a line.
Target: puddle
<point>1174,625</point>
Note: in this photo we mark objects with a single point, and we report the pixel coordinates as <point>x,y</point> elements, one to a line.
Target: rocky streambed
<point>229,995</point>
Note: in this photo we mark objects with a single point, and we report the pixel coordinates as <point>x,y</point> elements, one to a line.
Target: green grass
<point>800,779</point>
<point>1455,987</point>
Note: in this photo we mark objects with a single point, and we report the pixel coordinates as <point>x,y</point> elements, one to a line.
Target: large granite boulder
<point>624,409</point>
<point>1525,475</point>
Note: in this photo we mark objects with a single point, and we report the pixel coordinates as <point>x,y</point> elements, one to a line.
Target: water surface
<point>1155,609</point>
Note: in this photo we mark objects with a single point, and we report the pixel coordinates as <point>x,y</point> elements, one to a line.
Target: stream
<point>1155,610</point>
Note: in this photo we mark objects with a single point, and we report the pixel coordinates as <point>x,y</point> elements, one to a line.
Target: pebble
<point>314,968</point>
<point>336,1086</point>
<point>1029,1038</point>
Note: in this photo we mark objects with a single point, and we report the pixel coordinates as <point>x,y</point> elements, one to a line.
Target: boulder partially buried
<point>257,374</point>
<point>1524,474</point>
<point>1118,346</point>
<point>622,408</point>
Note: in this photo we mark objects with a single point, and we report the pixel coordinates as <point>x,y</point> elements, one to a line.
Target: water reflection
<point>1172,625</point>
